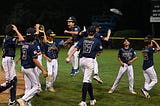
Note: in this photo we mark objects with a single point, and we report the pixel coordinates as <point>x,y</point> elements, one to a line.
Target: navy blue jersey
<point>89,47</point>
<point>50,51</point>
<point>76,37</point>
<point>38,44</point>
<point>126,54</point>
<point>9,46</point>
<point>99,36</point>
<point>28,52</point>
<point>148,57</point>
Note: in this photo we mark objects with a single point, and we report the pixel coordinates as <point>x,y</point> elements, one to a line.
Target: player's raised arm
<point>108,35</point>
<point>157,45</point>
<point>20,37</point>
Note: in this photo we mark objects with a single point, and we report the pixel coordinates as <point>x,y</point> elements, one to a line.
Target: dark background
<point>53,13</point>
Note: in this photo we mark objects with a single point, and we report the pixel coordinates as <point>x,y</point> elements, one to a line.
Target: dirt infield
<point>4,96</point>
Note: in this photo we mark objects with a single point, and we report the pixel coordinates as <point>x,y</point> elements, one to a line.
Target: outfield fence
<point>114,42</point>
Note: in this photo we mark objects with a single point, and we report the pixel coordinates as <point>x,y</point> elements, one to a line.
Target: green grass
<point>68,89</point>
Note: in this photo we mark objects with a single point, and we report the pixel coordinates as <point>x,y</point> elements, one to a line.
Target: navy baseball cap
<point>30,31</point>
<point>71,19</point>
<point>50,33</point>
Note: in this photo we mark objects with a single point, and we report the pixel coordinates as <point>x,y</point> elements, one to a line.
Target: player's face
<point>70,24</point>
<point>126,43</point>
<point>50,38</point>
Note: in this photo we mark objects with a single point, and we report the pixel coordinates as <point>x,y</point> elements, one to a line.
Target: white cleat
<point>145,93</point>
<point>133,92</point>
<point>97,78</point>
<point>82,104</point>
<point>110,91</point>
<point>92,102</point>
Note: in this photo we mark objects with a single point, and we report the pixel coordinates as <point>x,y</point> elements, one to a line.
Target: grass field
<point>68,89</point>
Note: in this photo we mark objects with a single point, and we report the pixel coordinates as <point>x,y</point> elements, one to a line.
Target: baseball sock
<point>90,91</point>
<point>84,91</point>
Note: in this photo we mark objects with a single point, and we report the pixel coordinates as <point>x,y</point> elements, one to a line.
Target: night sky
<point>53,13</point>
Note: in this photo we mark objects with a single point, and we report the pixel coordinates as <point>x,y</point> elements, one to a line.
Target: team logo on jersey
<point>35,52</point>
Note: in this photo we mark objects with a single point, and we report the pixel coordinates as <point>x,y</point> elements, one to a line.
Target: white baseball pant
<point>31,83</point>
<point>87,66</point>
<point>74,58</point>
<point>150,78</point>
<point>52,68</point>
<point>121,72</point>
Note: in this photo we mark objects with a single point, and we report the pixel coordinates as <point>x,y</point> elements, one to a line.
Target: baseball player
<point>29,61</point>
<point>99,36</point>
<point>126,57</point>
<point>88,47</point>
<point>74,31</point>
<point>148,66</point>
<point>40,37</point>
<point>50,53</point>
<point>8,55</point>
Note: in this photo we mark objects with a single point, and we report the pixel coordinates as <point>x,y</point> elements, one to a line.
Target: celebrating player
<point>148,66</point>
<point>40,37</point>
<point>88,47</point>
<point>50,53</point>
<point>8,55</point>
<point>99,36</point>
<point>29,61</point>
<point>126,57</point>
<point>74,31</point>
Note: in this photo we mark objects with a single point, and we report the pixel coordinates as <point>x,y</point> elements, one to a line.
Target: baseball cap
<point>72,19</point>
<point>30,31</point>
<point>50,33</point>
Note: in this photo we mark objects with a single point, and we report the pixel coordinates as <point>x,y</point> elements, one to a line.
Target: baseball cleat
<point>74,72</point>
<point>97,78</point>
<point>82,104</point>
<point>51,89</point>
<point>92,102</point>
<point>133,92</point>
<point>12,103</point>
<point>110,91</point>
<point>145,93</point>
<point>21,102</point>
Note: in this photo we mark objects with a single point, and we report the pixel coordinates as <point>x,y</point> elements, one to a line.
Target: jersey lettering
<point>24,52</point>
<point>87,46</point>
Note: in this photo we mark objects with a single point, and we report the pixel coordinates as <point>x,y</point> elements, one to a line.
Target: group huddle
<point>83,48</point>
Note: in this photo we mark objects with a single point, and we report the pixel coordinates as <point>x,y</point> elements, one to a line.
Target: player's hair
<point>146,43</point>
<point>9,30</point>
<point>91,30</point>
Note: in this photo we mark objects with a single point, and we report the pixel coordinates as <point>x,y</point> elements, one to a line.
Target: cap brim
<point>52,35</point>
<point>69,20</point>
